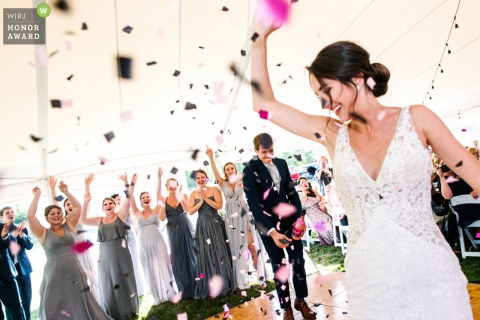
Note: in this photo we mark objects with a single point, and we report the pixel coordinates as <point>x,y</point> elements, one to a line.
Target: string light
<point>446,49</point>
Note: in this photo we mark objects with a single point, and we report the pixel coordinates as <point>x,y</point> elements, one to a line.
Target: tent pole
<point>42,103</point>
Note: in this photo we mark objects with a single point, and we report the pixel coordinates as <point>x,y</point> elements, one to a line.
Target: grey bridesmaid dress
<point>182,252</point>
<point>115,271</point>
<point>213,255</point>
<point>64,291</point>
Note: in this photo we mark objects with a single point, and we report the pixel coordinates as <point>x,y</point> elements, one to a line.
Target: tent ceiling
<point>202,41</point>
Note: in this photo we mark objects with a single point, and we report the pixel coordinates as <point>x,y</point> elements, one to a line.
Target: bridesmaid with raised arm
<point>85,257</point>
<point>242,235</point>
<point>154,258</point>
<point>213,253</point>
<point>115,267</point>
<point>64,291</point>
<point>181,235</point>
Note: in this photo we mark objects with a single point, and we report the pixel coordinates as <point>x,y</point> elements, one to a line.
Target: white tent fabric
<point>202,39</point>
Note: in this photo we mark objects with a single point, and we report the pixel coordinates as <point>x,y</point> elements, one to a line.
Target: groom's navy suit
<point>8,285</point>
<point>257,180</point>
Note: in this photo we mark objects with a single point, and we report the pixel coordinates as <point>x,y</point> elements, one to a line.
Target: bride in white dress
<point>153,253</point>
<point>398,265</point>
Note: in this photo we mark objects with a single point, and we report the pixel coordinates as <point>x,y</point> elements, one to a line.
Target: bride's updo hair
<point>344,60</point>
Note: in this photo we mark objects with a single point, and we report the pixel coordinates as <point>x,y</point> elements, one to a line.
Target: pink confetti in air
<point>126,116</point>
<point>41,57</point>
<point>202,275</point>
<point>234,178</point>
<point>217,87</point>
<point>371,83</point>
<point>235,214</point>
<point>182,316</point>
<point>176,298</point>
<point>65,313</point>
<point>179,197</point>
<point>266,193</point>
<point>319,226</point>
<point>199,64</point>
<point>244,293</point>
<point>81,247</point>
<point>478,235</point>
<point>284,210</point>
<point>219,139</point>
<point>31,64</point>
<point>208,241</point>
<point>216,285</point>
<point>263,114</point>
<point>222,98</point>
<point>319,279</point>
<point>273,10</point>
<point>381,115</point>
<point>14,248</point>
<point>246,254</point>
<point>160,31</point>
<point>282,274</point>
<point>451,179</point>
<point>283,287</point>
<point>68,45</point>
<point>176,7</point>
<point>67,103</point>
<point>464,130</point>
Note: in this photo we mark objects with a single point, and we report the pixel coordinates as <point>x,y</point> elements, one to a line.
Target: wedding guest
<point>213,253</point>
<point>115,267</point>
<point>153,253</point>
<point>64,291</point>
<point>20,258</point>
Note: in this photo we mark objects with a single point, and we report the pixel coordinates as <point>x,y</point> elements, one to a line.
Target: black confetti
<point>298,157</point>
<point>459,164</point>
<point>34,138</point>
<point>84,26</point>
<point>318,135</point>
<point>70,77</point>
<point>109,136</point>
<point>176,73</point>
<point>254,37</point>
<point>225,9</point>
<point>243,53</point>
<point>116,286</point>
<point>174,170</point>
<point>151,63</point>
<point>127,29</point>
<point>124,67</point>
<point>380,196</point>
<point>59,198</point>
<point>195,154</point>
<point>206,163</point>
<point>190,106</point>
<point>62,5</point>
<point>56,103</point>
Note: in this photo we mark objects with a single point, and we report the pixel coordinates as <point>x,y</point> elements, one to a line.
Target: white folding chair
<point>455,204</point>
<point>343,232</point>
<point>336,212</point>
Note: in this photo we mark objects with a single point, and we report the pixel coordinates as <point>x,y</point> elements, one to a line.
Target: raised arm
<point>159,184</point>
<point>432,131</point>
<point>217,174</point>
<point>217,202</point>
<point>305,125</point>
<point>94,221</point>
<point>74,216</point>
<point>184,200</point>
<point>52,182</point>
<point>37,229</point>
<point>131,190</point>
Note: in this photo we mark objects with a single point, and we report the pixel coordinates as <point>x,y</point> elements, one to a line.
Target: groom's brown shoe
<point>288,314</point>
<point>307,313</point>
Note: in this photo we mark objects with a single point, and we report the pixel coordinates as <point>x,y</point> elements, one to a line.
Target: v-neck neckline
<point>392,140</point>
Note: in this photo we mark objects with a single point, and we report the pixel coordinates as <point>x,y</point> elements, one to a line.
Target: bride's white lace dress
<point>398,264</point>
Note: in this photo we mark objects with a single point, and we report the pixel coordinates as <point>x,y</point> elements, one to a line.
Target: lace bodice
<point>398,264</point>
<point>401,191</point>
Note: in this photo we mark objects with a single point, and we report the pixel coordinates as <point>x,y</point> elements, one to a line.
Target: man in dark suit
<point>20,259</point>
<point>8,285</point>
<point>267,184</point>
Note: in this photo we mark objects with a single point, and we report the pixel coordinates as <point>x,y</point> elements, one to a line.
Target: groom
<point>267,183</point>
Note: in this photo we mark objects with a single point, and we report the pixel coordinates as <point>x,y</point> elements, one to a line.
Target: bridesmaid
<point>85,257</point>
<point>115,267</point>
<point>154,258</point>
<point>181,235</point>
<point>64,291</point>
<point>132,244</point>
<point>242,235</point>
<point>213,255</point>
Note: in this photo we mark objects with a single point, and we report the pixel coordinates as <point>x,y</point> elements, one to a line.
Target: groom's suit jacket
<point>256,182</point>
